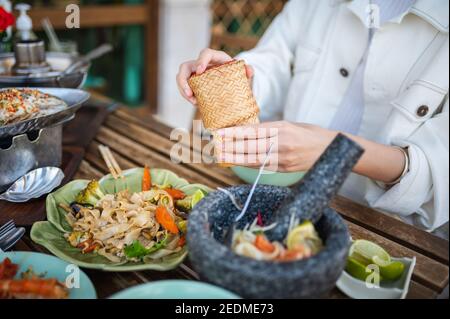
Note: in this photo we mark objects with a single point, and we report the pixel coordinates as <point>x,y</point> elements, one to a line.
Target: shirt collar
<point>435,12</point>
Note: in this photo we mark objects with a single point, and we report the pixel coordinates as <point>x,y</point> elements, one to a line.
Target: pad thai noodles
<point>302,242</point>
<point>126,226</point>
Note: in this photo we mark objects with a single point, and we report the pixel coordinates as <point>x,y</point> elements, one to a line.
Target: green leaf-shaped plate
<point>50,233</point>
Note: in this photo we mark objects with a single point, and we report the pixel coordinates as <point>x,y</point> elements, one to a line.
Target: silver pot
<point>23,153</point>
<point>57,61</point>
<point>36,142</point>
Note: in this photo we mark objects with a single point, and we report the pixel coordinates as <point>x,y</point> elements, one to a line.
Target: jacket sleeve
<point>273,57</point>
<point>422,196</point>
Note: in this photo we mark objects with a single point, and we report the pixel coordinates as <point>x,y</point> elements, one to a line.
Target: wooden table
<point>139,140</point>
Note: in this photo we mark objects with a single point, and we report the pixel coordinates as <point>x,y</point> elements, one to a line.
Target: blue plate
<point>52,267</point>
<point>175,289</point>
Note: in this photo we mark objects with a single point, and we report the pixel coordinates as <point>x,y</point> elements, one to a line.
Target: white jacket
<point>300,67</point>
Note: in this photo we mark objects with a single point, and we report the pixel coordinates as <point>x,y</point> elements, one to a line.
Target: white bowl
<point>357,289</point>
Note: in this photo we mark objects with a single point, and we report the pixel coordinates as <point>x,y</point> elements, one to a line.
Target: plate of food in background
<point>30,275</point>
<point>126,221</point>
<point>28,109</point>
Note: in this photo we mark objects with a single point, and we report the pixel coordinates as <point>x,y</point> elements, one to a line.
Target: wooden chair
<point>238,24</point>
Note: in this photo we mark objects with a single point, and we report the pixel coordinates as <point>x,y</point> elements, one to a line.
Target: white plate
<point>357,289</point>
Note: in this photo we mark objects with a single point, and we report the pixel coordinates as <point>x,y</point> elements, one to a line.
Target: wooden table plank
<point>163,145</point>
<point>140,154</point>
<point>86,171</point>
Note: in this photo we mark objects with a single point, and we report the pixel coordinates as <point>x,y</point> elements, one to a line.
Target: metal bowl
<point>26,152</point>
<point>58,62</point>
<point>35,184</point>
<point>74,99</point>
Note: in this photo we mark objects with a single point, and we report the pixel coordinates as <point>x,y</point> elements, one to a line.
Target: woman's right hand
<point>207,58</point>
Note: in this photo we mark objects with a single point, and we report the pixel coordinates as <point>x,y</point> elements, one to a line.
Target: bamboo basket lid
<point>225,98</point>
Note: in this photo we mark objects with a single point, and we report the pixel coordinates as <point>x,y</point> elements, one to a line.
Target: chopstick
<point>111,162</point>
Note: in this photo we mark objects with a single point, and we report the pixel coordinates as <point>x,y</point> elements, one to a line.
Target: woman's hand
<point>206,59</point>
<point>296,147</point>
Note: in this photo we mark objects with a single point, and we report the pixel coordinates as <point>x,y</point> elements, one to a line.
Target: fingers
<point>253,146</point>
<point>208,57</point>
<point>250,132</point>
<point>252,160</point>
<point>185,72</point>
<point>250,72</point>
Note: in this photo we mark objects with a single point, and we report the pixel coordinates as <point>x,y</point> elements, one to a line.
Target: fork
<point>6,227</point>
<point>10,235</point>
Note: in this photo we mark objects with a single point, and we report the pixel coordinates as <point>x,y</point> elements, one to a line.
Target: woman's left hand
<point>296,147</point>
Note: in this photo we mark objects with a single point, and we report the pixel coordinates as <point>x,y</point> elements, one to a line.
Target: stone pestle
<point>312,195</point>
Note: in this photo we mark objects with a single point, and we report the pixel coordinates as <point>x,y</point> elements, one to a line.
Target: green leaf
<point>137,250</point>
<point>50,234</point>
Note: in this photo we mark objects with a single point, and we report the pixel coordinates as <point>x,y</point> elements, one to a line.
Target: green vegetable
<point>182,226</point>
<point>137,250</point>
<point>91,195</point>
<point>184,204</point>
<point>188,203</point>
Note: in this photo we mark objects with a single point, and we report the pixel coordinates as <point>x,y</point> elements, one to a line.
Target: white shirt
<point>349,116</point>
<point>297,78</point>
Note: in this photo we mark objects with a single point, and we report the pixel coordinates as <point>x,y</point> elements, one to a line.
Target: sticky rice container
<point>224,96</point>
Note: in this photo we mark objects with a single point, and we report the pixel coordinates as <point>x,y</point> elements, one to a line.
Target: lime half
<point>356,269</point>
<point>390,271</point>
<point>365,251</point>
<point>198,196</point>
<point>299,234</point>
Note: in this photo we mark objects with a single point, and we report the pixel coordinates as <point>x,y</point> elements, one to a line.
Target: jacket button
<point>344,72</point>
<point>423,110</point>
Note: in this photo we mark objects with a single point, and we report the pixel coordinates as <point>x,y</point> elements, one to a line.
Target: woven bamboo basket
<point>224,96</point>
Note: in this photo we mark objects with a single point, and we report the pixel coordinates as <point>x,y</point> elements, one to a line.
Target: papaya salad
<point>302,242</point>
<point>125,226</point>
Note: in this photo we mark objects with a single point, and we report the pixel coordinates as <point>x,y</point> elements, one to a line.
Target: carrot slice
<point>165,220</point>
<point>263,244</point>
<point>175,193</point>
<point>290,255</point>
<point>146,180</point>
